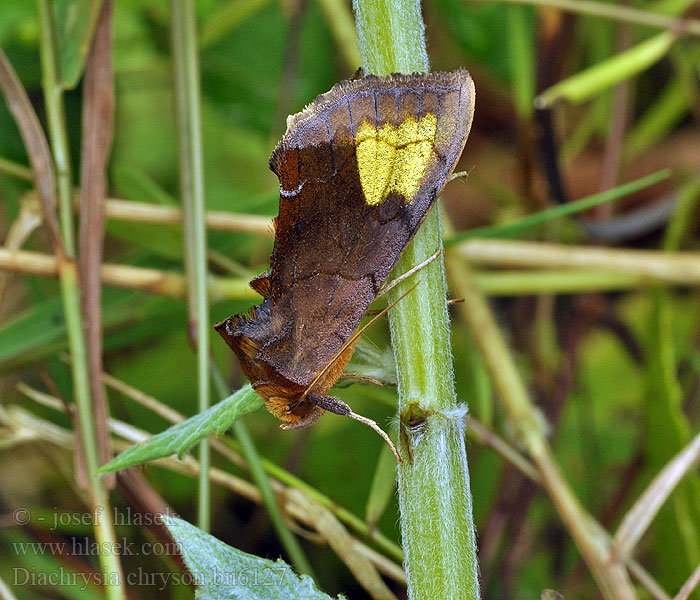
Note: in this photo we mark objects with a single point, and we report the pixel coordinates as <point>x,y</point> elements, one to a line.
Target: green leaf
<point>220,571</point>
<point>471,26</point>
<point>570,208</point>
<point>178,438</point>
<point>14,17</point>
<point>590,82</point>
<point>135,184</point>
<point>75,25</point>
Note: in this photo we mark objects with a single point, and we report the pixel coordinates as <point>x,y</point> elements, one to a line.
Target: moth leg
<point>337,406</point>
<point>331,404</point>
<point>458,175</point>
<point>408,273</point>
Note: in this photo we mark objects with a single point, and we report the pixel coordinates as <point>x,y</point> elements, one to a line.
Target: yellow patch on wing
<point>394,159</point>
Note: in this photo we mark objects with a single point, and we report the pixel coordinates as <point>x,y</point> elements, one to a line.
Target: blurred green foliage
<point>631,398</point>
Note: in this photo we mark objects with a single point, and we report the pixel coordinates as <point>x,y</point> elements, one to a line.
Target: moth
<point>359,169</point>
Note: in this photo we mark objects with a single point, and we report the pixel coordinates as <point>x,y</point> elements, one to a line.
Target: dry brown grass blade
<point>647,581</point>
<point>689,585</point>
<point>143,212</point>
<point>638,518</point>
<point>82,478</point>
<point>36,145</point>
<point>22,227</point>
<point>343,544</point>
<point>682,268</point>
<point>487,437</point>
<point>98,112</point>
<point>125,276</point>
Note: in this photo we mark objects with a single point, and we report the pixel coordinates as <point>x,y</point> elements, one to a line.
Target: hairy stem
<point>434,498</point>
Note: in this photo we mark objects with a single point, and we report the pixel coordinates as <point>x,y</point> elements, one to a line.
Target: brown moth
<point>359,169</point>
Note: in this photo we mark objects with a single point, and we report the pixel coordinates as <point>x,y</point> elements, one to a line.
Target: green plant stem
<point>392,36</point>
<point>186,64</point>
<point>70,293</point>
<point>433,481</point>
<point>55,115</point>
<point>253,459</point>
<point>104,530</point>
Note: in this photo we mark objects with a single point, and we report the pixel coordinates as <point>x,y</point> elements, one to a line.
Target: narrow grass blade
<point>522,59</point>
<point>516,227</point>
<point>640,516</point>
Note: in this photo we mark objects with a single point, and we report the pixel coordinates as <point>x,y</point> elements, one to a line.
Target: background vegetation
<point>604,336</point>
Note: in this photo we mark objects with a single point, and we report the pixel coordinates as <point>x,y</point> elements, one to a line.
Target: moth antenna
<point>378,429</point>
<point>411,271</point>
<point>450,302</point>
<point>351,340</point>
